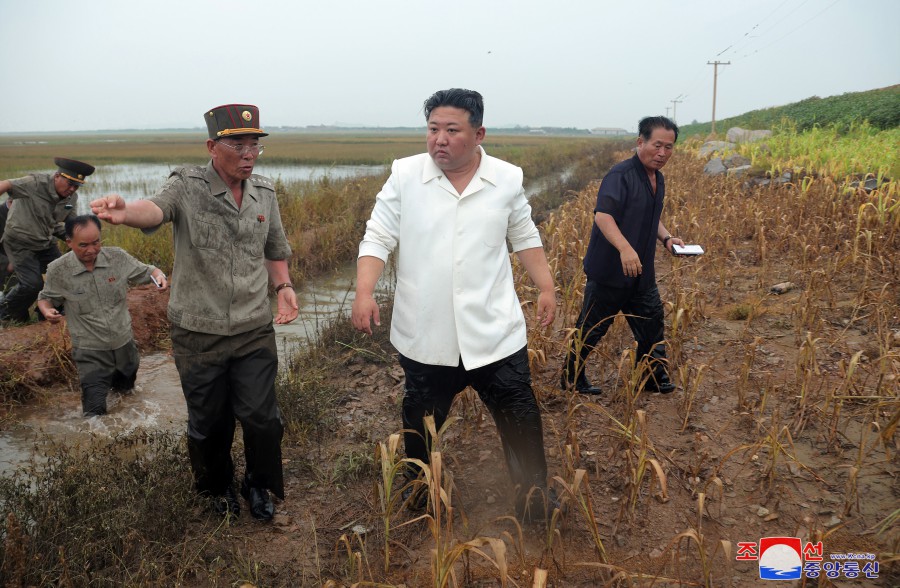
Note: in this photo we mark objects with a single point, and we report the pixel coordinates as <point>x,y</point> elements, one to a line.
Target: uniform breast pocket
<point>494,225</point>
<point>207,231</point>
<point>258,236</point>
<point>81,304</point>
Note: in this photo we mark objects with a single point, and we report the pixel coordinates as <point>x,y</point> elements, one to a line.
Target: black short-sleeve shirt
<point>625,194</point>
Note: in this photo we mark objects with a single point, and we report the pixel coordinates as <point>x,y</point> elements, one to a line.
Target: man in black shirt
<point>620,256</point>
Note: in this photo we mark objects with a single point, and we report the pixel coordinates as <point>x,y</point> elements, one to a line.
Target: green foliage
<point>155,249</point>
<point>881,108</point>
<point>829,151</point>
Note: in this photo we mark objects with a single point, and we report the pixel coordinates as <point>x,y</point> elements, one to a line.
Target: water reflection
<point>140,180</point>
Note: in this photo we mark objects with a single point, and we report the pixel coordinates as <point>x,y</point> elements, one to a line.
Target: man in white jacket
<point>457,321</point>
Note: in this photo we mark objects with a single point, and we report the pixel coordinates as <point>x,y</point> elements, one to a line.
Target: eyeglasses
<point>256,149</point>
<point>73,184</point>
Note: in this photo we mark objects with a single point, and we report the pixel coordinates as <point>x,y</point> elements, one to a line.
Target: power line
<point>795,29</point>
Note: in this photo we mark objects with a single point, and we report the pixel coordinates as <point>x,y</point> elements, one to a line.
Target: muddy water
<point>157,403</point>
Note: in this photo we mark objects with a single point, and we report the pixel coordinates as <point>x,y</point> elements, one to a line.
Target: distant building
<point>537,131</point>
<point>608,131</point>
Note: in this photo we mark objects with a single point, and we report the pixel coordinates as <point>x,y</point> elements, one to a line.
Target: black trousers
<point>98,371</point>
<point>505,388</point>
<point>226,378</point>
<point>643,310</point>
<point>29,267</point>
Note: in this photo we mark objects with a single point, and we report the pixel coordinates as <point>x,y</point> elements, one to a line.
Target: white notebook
<point>687,250</point>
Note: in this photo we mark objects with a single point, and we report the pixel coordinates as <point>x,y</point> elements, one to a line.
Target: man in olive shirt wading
<point>93,283</point>
<point>229,242</point>
<point>41,204</point>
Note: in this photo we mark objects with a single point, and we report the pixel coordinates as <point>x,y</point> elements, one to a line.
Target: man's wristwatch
<point>279,287</point>
<point>666,239</point>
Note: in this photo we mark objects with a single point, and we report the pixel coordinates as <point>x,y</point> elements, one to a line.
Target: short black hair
<point>647,124</point>
<point>81,221</point>
<point>468,100</point>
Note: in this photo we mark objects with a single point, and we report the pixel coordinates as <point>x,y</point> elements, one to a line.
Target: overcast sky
<point>117,64</point>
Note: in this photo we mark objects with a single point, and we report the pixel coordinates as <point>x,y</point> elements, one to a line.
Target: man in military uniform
<point>41,204</point>
<point>228,242</point>
<point>93,283</point>
<point>5,265</point>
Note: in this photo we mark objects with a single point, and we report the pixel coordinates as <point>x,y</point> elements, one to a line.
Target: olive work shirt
<point>96,305</point>
<point>38,213</point>
<point>626,196</point>
<point>220,284</point>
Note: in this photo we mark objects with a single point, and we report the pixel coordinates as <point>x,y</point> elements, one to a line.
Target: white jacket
<point>455,295</point>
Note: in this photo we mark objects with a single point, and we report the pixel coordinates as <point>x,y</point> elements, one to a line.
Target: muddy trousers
<point>29,267</point>
<point>505,388</point>
<point>226,378</point>
<point>644,312</point>
<point>100,370</point>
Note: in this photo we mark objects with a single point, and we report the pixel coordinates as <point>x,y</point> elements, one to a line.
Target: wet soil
<point>741,458</point>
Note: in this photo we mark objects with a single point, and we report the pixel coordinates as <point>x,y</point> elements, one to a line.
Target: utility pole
<point>675,103</point>
<point>715,65</point>
<point>667,111</point>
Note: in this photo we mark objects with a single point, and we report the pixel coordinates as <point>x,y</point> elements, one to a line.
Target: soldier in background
<point>6,269</point>
<point>42,203</point>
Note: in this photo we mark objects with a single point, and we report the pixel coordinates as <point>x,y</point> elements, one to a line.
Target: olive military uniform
<point>34,221</point>
<point>98,319</point>
<point>222,334</point>
<point>4,260</point>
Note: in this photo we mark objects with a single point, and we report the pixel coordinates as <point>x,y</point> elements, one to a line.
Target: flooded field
<point>157,403</point>
<point>140,180</point>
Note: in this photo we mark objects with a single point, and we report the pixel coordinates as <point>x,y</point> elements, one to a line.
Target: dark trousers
<point>643,310</point>
<point>100,370</point>
<point>226,378</point>
<point>29,267</point>
<point>505,388</point>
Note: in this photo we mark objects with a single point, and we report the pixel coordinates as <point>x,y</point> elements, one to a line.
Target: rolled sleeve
<point>522,232</point>
<point>51,292</point>
<point>383,227</point>
<point>277,246</point>
<point>167,199</point>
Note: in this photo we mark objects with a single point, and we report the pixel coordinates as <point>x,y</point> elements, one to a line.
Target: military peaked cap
<point>72,169</point>
<point>231,120</point>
